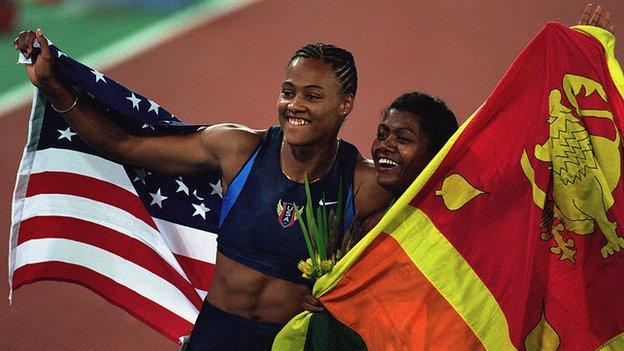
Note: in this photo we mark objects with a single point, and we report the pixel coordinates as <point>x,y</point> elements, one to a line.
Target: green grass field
<point>78,30</point>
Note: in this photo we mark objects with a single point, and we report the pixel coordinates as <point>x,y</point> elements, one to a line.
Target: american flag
<point>143,241</point>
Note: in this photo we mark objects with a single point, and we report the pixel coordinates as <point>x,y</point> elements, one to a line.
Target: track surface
<point>230,69</point>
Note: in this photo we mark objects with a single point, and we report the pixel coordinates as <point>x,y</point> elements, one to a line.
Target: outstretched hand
<point>597,18</point>
<point>41,71</point>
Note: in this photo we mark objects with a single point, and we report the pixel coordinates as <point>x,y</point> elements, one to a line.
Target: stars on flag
<point>141,173</point>
<point>182,187</point>
<point>135,101</point>
<point>157,198</point>
<point>197,196</point>
<point>178,195</point>
<point>153,106</point>
<point>200,210</point>
<point>99,76</point>
<point>217,189</point>
<point>89,74</point>
<point>66,134</point>
<point>192,201</point>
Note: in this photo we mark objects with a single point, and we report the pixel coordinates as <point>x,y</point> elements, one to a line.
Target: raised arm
<point>596,18</point>
<point>223,147</point>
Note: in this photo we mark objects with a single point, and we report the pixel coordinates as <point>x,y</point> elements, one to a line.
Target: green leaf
<point>325,229</point>
<point>321,234</point>
<point>306,235</point>
<point>309,211</point>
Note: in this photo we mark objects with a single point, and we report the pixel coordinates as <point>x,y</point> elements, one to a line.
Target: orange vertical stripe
<point>402,300</point>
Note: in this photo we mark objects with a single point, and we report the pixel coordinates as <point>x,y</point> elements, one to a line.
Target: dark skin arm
<point>223,147</point>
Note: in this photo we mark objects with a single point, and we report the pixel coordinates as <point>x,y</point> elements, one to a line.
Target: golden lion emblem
<point>585,168</point>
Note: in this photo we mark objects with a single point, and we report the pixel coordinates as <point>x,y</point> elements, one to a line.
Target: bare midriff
<point>245,292</point>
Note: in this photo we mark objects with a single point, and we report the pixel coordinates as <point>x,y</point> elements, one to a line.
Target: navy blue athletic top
<point>258,222</point>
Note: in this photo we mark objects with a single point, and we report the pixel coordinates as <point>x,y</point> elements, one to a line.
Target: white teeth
<point>387,162</point>
<point>297,121</point>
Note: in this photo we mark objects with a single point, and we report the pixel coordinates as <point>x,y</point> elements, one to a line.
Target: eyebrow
<point>309,86</point>
<point>313,86</point>
<point>415,132</point>
<point>383,124</point>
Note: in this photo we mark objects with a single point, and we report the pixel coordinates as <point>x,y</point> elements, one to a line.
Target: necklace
<point>329,165</point>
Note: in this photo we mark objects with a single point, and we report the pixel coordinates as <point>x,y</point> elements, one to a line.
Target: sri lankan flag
<point>513,237</point>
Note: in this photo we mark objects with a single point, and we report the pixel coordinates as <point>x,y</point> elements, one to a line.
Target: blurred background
<point>89,24</point>
<point>222,61</point>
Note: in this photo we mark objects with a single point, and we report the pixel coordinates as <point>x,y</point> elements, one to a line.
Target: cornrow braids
<point>340,59</point>
<point>436,119</point>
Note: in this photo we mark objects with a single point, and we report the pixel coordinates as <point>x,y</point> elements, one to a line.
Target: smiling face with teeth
<point>400,150</point>
<point>311,105</point>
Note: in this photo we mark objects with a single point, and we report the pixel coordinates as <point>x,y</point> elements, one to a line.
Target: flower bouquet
<point>324,233</point>
<point>327,241</point>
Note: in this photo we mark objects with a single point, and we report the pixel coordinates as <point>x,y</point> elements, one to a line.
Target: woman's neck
<point>299,162</point>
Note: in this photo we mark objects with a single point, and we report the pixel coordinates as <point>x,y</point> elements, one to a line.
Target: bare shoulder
<point>233,129</point>
<point>234,135</point>
<point>232,144</point>
<point>369,196</point>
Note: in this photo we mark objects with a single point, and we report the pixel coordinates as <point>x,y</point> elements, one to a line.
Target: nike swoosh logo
<point>326,203</point>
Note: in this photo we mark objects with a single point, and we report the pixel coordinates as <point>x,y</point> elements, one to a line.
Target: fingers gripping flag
<point>513,237</point>
<point>143,241</point>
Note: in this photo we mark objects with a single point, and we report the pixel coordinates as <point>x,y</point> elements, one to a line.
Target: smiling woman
<point>414,128</point>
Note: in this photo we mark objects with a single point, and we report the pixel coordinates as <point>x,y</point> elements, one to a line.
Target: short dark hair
<point>341,60</point>
<point>436,120</point>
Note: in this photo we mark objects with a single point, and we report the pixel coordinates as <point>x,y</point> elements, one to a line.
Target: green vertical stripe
<point>326,333</point>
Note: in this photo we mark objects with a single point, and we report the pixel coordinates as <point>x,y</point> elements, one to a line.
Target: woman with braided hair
<point>257,286</point>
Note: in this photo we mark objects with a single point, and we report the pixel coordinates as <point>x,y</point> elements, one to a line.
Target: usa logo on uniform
<point>287,214</point>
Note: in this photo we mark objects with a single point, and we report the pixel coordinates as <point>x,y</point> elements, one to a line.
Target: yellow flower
<point>326,266</point>
<point>306,268</point>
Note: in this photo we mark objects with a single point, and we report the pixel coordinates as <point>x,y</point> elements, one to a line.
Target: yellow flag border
<point>607,39</point>
<point>454,278</point>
